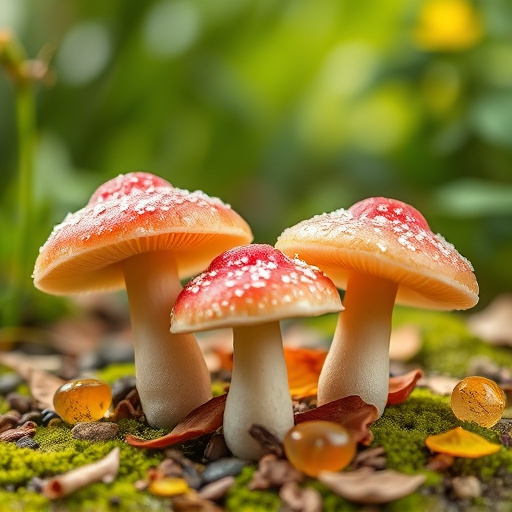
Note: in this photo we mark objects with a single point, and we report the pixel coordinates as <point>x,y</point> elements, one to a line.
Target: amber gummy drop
<point>315,446</point>
<point>478,399</point>
<point>82,400</point>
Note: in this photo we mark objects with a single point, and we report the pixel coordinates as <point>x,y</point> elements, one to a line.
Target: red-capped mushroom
<point>141,232</point>
<point>251,288</point>
<point>378,250</point>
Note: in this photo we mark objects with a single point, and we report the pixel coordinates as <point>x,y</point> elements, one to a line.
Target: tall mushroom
<point>251,288</point>
<point>378,250</point>
<point>140,232</point>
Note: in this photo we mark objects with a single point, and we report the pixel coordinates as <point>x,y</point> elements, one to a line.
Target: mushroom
<point>379,250</point>
<point>251,288</point>
<point>140,232</point>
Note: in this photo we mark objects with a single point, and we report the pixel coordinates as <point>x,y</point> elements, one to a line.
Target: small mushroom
<point>379,250</point>
<point>140,232</point>
<point>251,288</point>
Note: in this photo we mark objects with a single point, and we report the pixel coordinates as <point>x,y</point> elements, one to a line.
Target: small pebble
<point>27,442</point>
<point>223,467</point>
<point>95,431</point>
<point>47,416</point>
<point>466,487</point>
<point>216,490</point>
<point>121,387</point>
<point>34,416</point>
<point>21,403</point>
<point>9,382</point>
<point>216,448</point>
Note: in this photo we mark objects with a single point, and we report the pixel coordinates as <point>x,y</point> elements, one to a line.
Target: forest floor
<point>393,469</point>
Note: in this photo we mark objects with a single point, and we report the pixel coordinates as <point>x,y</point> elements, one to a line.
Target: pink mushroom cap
<point>252,284</point>
<point>129,215</point>
<point>389,239</point>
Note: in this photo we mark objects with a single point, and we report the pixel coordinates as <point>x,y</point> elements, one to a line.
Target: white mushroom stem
<point>259,392</point>
<point>358,359</point>
<point>172,376</point>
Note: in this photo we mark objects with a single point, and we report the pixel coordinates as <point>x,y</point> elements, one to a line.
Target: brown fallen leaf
<point>494,323</point>
<point>402,386</point>
<point>103,470</point>
<point>371,487</point>
<point>300,499</point>
<point>439,384</point>
<point>41,383</point>
<point>351,412</point>
<point>205,419</point>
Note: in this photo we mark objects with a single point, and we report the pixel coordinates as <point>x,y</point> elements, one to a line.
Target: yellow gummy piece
<point>169,486</point>
<point>461,443</point>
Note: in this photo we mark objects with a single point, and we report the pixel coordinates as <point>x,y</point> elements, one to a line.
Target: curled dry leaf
<point>351,412</point>
<point>494,323</point>
<point>103,470</point>
<point>459,442</point>
<point>300,499</point>
<point>205,419</point>
<point>41,383</point>
<point>439,384</point>
<point>303,366</point>
<point>402,386</point>
<point>371,487</point>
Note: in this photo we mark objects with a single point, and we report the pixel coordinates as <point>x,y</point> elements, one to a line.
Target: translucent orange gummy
<point>82,400</point>
<point>478,399</point>
<point>314,446</point>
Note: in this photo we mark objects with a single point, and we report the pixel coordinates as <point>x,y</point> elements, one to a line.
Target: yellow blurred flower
<point>450,25</point>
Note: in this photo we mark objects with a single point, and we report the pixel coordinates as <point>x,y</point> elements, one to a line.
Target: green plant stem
<point>26,128</point>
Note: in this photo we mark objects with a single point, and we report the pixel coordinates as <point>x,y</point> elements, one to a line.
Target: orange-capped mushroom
<point>379,250</point>
<point>140,232</point>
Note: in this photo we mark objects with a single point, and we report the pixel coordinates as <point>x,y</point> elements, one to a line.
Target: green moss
<point>242,499</point>
<point>448,346</point>
<point>59,453</point>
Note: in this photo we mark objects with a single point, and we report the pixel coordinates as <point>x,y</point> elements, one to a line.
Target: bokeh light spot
<point>84,53</point>
<point>171,28</point>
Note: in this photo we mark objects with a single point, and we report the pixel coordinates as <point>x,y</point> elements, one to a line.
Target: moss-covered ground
<point>448,349</point>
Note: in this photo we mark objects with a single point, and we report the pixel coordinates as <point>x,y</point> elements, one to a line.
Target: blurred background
<point>283,108</point>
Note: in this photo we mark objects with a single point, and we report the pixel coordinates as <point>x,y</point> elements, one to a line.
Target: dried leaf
<point>169,486</point>
<point>300,499</point>
<point>402,386</point>
<point>42,384</point>
<point>405,342</point>
<point>461,443</point>
<point>371,487</point>
<point>103,470</point>
<point>439,384</point>
<point>303,366</point>
<point>350,412</point>
<point>205,419</point>
<point>494,323</point>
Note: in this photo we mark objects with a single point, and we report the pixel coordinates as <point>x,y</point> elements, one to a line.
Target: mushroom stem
<point>358,359</point>
<point>172,376</point>
<point>259,373</point>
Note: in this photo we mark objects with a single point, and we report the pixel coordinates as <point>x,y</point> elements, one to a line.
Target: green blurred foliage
<point>284,109</point>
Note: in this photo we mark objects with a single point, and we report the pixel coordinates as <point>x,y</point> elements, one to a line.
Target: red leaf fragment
<point>205,419</point>
<point>351,412</point>
<point>402,386</point>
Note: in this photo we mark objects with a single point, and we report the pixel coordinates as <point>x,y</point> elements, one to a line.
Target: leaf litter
<point>274,471</point>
